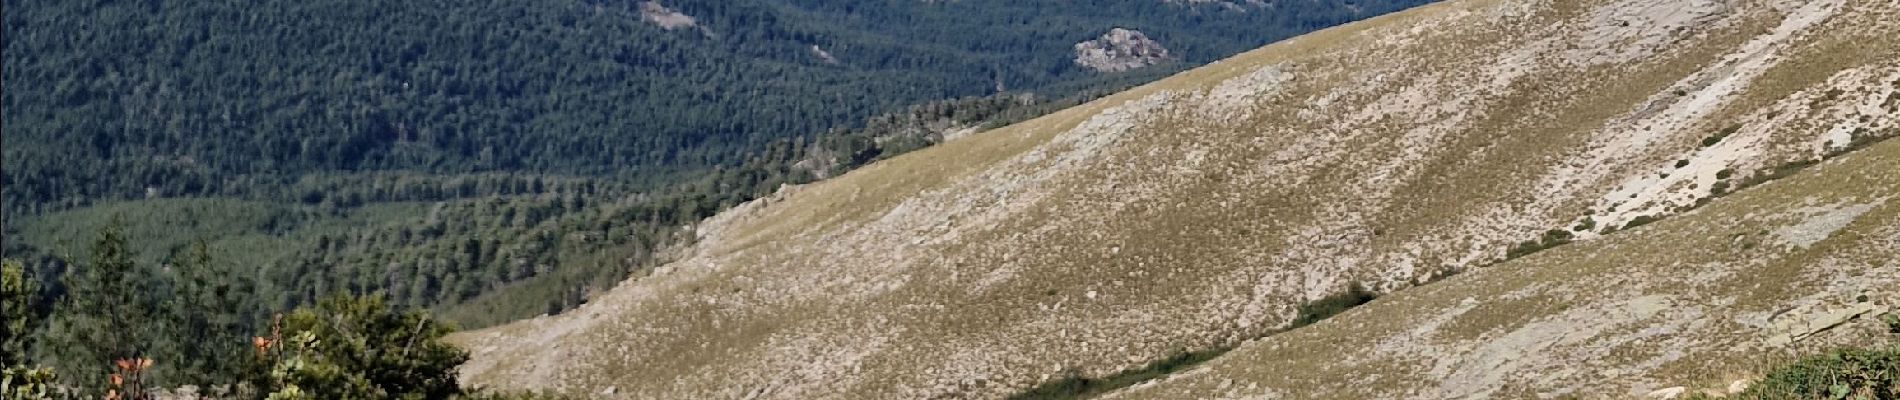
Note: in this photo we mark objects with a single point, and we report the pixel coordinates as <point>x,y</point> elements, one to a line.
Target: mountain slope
<point>1701,301</point>
<point>1197,213</point>
<point>494,160</point>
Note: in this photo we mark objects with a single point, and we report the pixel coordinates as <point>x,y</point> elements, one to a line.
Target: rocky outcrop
<point>666,18</point>
<point>1119,50</point>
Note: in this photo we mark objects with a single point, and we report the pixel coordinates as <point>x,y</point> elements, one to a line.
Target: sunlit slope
<point>1197,212</point>
<point>1700,301</point>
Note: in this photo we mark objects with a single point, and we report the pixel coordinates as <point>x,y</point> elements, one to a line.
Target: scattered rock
<point>1823,223</point>
<point>666,18</point>
<point>823,55</point>
<point>1119,50</point>
<point>1739,385</point>
<point>1666,393</point>
<point>1793,326</point>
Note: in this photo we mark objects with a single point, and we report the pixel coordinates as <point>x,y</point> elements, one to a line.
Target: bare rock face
<point>1119,50</point>
<point>666,18</point>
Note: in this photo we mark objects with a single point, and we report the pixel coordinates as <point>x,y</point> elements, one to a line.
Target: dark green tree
<point>17,316</point>
<point>109,313</point>
<point>207,321</point>
<point>360,348</point>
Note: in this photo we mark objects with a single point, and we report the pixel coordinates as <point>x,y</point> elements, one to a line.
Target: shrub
<point>1329,306</point>
<point>1640,221</point>
<point>1871,374</point>
<point>359,348</point>
<point>1586,225</point>
<point>1551,238</point>
<point>1075,386</point>
<point>1719,136</point>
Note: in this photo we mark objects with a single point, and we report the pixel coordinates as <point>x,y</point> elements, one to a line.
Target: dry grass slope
<point>1696,301</point>
<point>1198,212</point>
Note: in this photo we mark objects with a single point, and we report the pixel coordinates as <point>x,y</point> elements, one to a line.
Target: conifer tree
<point>17,317</point>
<point>107,315</point>
<point>207,320</point>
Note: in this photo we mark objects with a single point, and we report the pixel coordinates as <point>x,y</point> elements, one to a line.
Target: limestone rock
<point>1119,50</point>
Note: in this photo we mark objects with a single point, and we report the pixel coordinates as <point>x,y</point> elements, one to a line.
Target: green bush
<point>1859,374</point>
<point>1551,238</point>
<point>1719,136</point>
<point>1328,306</point>
<point>359,348</point>
<point>1075,386</point>
<point>1641,220</point>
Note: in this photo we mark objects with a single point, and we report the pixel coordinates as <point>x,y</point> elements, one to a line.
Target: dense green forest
<point>502,247</point>
<point>493,160</point>
<point>123,100</point>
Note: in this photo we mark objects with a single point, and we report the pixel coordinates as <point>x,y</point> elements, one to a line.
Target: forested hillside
<point>130,99</point>
<point>497,159</point>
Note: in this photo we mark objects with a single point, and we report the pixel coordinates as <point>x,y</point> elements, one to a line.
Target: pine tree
<point>17,317</point>
<point>108,313</point>
<point>207,321</point>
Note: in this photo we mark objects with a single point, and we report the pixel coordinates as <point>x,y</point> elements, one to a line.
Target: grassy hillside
<point>1202,211</point>
<point>1696,300</point>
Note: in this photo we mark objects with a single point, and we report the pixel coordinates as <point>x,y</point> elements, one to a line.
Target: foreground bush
<point>1858,374</point>
<point>360,348</point>
<point>1848,374</point>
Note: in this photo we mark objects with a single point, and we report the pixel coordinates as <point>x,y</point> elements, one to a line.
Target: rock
<point>1795,326</point>
<point>666,18</point>
<point>609,391</point>
<point>1739,385</point>
<point>1119,50</point>
<point>1666,393</point>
